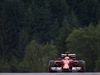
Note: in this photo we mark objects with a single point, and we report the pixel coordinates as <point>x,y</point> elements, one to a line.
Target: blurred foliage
<point>4,66</point>
<point>48,23</point>
<point>97,69</point>
<point>85,43</point>
<point>37,56</point>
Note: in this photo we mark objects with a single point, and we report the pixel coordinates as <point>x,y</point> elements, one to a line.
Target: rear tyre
<point>81,63</point>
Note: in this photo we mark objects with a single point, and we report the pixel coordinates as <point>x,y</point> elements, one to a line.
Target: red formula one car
<point>67,63</point>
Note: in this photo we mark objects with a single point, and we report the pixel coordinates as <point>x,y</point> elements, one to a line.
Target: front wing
<point>59,69</point>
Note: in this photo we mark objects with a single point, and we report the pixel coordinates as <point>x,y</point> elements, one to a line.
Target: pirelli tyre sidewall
<point>81,63</point>
<point>51,64</point>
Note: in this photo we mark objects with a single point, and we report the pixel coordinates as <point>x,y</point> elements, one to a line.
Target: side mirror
<point>59,58</point>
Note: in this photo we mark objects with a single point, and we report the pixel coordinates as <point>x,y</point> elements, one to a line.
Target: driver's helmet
<point>67,58</point>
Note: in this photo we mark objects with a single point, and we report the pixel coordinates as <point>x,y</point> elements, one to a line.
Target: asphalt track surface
<point>51,73</point>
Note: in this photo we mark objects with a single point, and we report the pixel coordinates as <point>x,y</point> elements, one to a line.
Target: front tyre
<point>51,64</point>
<point>81,63</point>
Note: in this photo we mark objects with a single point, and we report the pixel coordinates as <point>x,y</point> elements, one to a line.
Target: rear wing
<point>70,55</point>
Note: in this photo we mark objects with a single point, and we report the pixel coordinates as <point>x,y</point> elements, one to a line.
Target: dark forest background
<point>32,32</point>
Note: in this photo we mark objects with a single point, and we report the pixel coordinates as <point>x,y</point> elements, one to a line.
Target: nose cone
<point>66,66</point>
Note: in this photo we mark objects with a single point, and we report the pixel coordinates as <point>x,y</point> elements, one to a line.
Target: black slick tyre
<point>81,63</point>
<point>51,64</point>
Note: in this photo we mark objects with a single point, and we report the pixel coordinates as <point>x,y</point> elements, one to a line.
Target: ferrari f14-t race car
<point>67,63</point>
